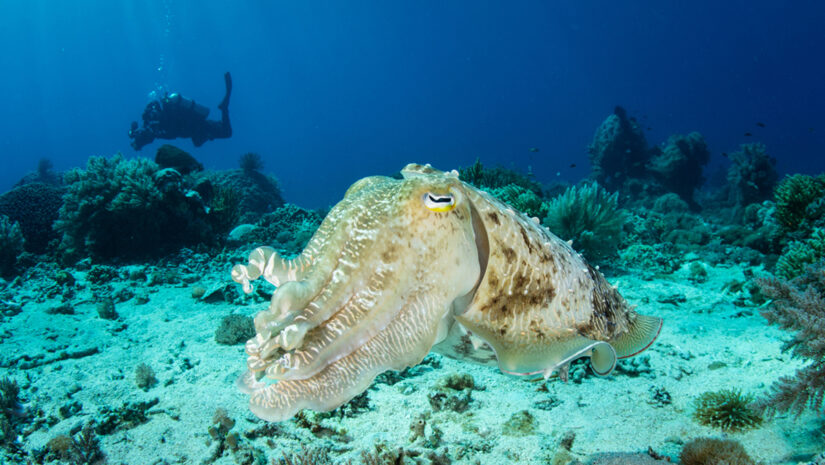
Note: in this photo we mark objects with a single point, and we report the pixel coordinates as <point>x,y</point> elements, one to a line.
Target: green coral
<point>751,176</point>
<point>728,410</point>
<point>35,206</point>
<point>650,259</point>
<point>800,201</point>
<point>235,329</point>
<point>798,306</point>
<point>11,245</point>
<point>289,226</point>
<point>522,199</point>
<point>493,178</point>
<point>714,451</point>
<point>800,254</point>
<point>521,423</point>
<point>590,217</point>
<point>226,210</point>
<point>10,413</point>
<point>118,208</point>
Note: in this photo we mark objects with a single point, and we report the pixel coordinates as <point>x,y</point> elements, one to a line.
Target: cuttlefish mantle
<point>401,267</point>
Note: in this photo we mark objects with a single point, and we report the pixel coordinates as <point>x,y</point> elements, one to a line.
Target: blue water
<point>328,92</point>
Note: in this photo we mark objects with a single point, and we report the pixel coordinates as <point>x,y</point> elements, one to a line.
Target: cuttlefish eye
<point>439,202</point>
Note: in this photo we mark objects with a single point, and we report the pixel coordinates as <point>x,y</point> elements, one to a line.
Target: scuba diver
<point>176,116</point>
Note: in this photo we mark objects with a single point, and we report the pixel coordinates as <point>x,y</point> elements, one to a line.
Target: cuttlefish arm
<point>401,266</point>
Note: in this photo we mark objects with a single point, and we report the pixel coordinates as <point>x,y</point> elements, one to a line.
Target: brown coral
<point>799,305</point>
<point>712,451</point>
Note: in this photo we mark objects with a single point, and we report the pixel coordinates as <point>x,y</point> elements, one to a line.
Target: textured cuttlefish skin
<point>428,262</point>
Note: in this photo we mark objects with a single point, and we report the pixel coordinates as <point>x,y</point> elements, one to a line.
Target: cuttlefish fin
<point>643,331</point>
<point>556,356</point>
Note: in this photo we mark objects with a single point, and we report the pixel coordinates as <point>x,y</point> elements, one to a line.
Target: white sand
<point>609,414</point>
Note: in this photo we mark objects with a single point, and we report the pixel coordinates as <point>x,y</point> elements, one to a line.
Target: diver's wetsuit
<point>176,116</point>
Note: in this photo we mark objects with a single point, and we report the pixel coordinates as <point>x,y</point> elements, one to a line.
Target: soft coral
<point>799,305</point>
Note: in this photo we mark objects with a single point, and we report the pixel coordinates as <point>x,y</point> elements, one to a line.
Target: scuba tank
<point>178,102</point>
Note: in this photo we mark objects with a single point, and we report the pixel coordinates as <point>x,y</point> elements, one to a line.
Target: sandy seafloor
<point>174,334</point>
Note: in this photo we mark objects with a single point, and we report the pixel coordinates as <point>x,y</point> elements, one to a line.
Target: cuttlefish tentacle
<point>267,263</point>
<point>305,297</point>
<point>404,342</point>
<point>366,314</point>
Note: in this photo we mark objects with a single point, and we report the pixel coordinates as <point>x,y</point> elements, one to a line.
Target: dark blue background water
<point>328,92</point>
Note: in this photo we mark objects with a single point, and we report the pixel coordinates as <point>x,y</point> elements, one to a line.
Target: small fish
<point>725,154</point>
<point>747,134</point>
<point>534,149</point>
<point>649,128</point>
<point>761,125</point>
<point>572,165</point>
<point>810,129</point>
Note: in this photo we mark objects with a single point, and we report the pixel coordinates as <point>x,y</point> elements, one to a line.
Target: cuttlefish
<point>401,267</point>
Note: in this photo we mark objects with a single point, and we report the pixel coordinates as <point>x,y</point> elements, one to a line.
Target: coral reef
<point>800,202</point>
<point>713,451</point>
<point>307,456</point>
<point>257,193</point>
<point>697,272</point>
<point>623,162</point>
<point>651,260</point>
<point>251,162</point>
<point>225,211</point>
<point>220,431</point>
<point>290,227</point>
<point>678,165</point>
<point>83,449</point>
<point>145,377</point>
<point>521,423</point>
<point>728,410</point>
<point>619,150</point>
<point>588,216</point>
<point>798,305</point>
<point>751,176</point>
<point>234,329</point>
<point>11,246</point>
<point>106,308</point>
<point>801,254</point>
<point>127,416</point>
<point>624,458</point>
<point>10,413</point>
<point>169,156</point>
<point>452,392</point>
<point>384,454</point>
<point>35,206</point>
<point>498,177</point>
<point>44,174</point>
<point>119,208</point>
<point>522,199</point>
<point>759,230</point>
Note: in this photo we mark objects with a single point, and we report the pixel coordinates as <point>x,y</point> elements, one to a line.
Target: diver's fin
<point>227,79</point>
<point>641,335</point>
